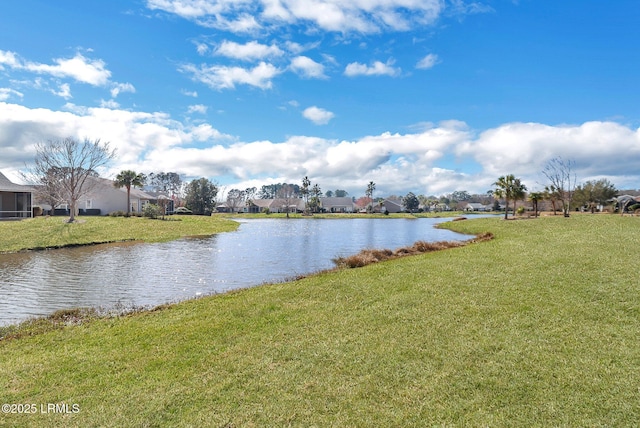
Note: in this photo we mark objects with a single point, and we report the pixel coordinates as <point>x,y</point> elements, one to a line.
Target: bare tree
<point>236,199</point>
<point>63,168</point>
<point>562,177</point>
<point>289,197</point>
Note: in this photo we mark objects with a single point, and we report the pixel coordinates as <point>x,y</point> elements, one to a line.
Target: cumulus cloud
<point>250,51</point>
<point>370,16</point>
<point>306,67</point>
<point>376,69</point>
<point>434,159</point>
<point>226,77</point>
<point>427,62</point>
<point>318,115</point>
<point>598,148</point>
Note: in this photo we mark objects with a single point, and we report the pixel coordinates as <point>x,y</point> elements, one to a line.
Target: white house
<point>474,206</point>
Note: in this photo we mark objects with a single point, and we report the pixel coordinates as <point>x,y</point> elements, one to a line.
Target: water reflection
<point>129,274</point>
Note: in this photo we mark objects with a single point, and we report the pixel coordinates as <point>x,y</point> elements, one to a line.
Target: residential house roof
<point>7,186</point>
<point>328,203</point>
<point>477,206</point>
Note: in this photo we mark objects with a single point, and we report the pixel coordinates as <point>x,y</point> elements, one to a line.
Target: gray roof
<point>8,186</point>
<point>336,202</point>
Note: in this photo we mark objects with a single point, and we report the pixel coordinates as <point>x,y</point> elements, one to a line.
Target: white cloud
<point>85,70</point>
<point>605,148</point>
<point>306,67</point>
<point>428,62</point>
<point>110,104</point>
<point>198,108</point>
<point>250,51</point>
<point>193,94</point>
<point>376,69</point>
<point>64,91</point>
<point>224,77</point>
<point>9,59</point>
<point>79,68</point>
<point>122,87</point>
<point>202,48</point>
<point>436,159</point>
<point>6,93</point>
<point>318,115</point>
<point>364,16</point>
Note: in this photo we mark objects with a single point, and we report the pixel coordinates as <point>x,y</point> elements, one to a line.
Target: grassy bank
<point>52,232</point>
<point>537,327</point>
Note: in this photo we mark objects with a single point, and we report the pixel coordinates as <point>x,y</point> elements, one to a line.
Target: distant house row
<point>327,205</point>
<point>280,205</point>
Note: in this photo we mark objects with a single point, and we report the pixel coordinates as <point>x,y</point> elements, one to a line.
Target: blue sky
<point>429,96</point>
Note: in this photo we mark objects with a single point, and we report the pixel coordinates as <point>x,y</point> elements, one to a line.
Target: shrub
<point>152,211</point>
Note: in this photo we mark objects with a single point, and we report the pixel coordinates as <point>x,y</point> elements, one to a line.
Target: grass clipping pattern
<point>369,256</point>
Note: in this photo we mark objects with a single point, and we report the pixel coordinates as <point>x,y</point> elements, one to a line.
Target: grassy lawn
<point>538,327</point>
<point>51,232</point>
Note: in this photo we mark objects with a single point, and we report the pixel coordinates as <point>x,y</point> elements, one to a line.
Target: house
<point>391,206</point>
<point>337,205</point>
<point>104,198</point>
<point>256,206</point>
<point>292,205</point>
<point>474,206</point>
<point>16,200</point>
<point>278,205</point>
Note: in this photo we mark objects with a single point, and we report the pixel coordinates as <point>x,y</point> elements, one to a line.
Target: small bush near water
<point>367,257</point>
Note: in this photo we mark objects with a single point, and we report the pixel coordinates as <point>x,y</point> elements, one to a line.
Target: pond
<point>135,274</point>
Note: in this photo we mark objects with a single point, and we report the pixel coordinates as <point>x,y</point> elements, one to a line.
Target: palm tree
<point>518,191</point>
<point>371,187</point>
<point>535,197</point>
<point>509,187</point>
<point>503,190</point>
<point>127,179</point>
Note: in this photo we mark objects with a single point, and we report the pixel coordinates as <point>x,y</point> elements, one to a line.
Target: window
<point>88,204</point>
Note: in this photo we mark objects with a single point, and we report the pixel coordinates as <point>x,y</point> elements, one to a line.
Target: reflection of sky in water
<point>262,250</point>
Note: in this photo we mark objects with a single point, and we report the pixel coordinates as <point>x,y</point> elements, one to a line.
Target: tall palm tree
<point>371,187</point>
<point>503,190</point>
<point>128,179</point>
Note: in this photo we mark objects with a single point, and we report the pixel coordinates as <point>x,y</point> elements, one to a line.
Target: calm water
<point>264,250</point>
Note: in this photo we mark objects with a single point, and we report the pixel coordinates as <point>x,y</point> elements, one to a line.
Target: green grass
<point>53,232</point>
<point>537,327</point>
